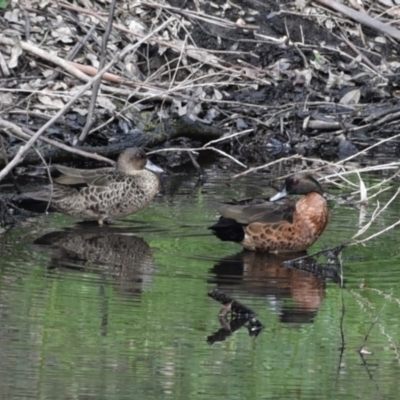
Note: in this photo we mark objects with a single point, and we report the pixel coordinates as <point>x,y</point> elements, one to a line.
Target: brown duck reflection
<point>109,251</point>
<point>263,274</point>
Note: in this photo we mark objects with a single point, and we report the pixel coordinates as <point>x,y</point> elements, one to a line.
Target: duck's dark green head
<point>298,184</point>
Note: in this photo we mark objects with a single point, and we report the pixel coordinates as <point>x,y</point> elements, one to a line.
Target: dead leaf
<point>16,51</point>
<point>80,111</point>
<point>6,100</point>
<point>3,66</point>
<point>218,95</point>
<point>106,103</point>
<point>351,97</point>
<point>50,102</point>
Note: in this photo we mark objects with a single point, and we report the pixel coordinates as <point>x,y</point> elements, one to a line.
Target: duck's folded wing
<point>264,211</point>
<point>49,193</point>
<point>92,177</point>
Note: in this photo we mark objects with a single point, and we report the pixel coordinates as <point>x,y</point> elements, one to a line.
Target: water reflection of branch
<point>373,323</point>
<point>341,323</point>
<point>362,350</point>
<point>330,270</point>
<point>371,377</point>
<point>365,304</point>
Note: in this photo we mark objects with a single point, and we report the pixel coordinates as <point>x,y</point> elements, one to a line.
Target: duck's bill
<point>154,168</point>
<point>280,195</point>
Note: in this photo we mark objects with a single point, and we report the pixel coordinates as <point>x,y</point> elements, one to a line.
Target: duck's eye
<point>295,181</point>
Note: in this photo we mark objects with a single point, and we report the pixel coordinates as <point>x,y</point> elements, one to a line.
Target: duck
<point>107,193</point>
<point>292,226</point>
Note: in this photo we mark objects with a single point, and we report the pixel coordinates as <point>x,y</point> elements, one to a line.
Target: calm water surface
<point>122,312</point>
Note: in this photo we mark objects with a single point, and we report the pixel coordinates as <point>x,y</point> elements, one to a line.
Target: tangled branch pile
<point>308,78</point>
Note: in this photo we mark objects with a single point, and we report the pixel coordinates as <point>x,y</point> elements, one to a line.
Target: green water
<point>123,312</point>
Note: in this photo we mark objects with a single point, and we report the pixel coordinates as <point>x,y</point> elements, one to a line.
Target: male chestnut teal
<point>260,225</point>
<point>109,192</point>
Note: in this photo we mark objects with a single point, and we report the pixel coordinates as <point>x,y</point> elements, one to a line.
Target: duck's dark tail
<point>227,229</point>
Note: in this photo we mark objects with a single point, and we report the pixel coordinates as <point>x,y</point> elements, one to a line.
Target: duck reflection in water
<point>263,274</point>
<point>110,251</point>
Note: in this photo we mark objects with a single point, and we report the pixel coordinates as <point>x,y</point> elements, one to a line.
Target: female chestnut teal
<point>260,225</point>
<point>110,192</point>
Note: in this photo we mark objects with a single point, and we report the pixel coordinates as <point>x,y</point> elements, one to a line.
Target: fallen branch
<point>362,18</point>
<point>26,134</point>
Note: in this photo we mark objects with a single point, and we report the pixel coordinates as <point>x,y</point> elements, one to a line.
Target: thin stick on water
<point>199,149</point>
<point>208,147</point>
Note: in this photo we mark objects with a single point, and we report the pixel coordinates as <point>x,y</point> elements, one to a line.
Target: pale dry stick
<point>379,184</point>
<point>369,223</point>
<point>363,189</point>
<point>353,129</point>
<point>327,178</point>
<point>384,181</point>
<point>376,234</point>
<point>19,133</point>
<point>193,72</point>
<point>105,123</point>
<point>392,165</point>
<point>294,157</point>
<point>390,118</point>
<point>341,175</point>
<point>378,211</point>
<point>372,195</point>
<point>226,155</point>
<point>228,137</point>
<point>394,8</point>
<point>45,55</point>
<point>270,39</point>
<point>377,193</point>
<point>199,149</point>
<point>48,175</point>
<point>63,95</point>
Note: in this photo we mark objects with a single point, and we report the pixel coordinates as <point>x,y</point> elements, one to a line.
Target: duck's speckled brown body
<point>263,226</point>
<point>110,193</point>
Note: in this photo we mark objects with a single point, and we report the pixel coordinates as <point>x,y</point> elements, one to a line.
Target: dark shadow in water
<point>232,316</point>
<point>108,251</point>
<point>262,274</point>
